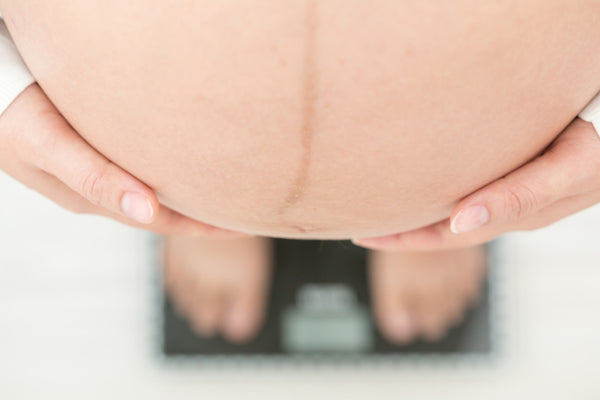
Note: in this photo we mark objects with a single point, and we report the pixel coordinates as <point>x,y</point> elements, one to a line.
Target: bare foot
<point>220,285</point>
<point>423,294</point>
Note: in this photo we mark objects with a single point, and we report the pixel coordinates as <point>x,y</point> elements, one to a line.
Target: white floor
<point>76,316</point>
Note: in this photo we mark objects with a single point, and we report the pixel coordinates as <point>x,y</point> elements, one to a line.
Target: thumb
<point>72,160</point>
<point>517,195</point>
<point>568,167</point>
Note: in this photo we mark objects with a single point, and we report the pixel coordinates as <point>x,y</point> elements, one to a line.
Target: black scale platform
<point>319,304</point>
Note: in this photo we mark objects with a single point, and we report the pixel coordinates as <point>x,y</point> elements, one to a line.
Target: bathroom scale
<point>319,306</point>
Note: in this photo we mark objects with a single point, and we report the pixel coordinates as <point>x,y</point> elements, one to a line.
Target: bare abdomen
<point>313,119</point>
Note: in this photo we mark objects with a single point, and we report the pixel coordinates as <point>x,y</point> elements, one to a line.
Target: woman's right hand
<point>39,148</point>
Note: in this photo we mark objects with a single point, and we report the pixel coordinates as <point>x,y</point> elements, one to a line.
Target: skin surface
<point>220,286</point>
<point>305,119</point>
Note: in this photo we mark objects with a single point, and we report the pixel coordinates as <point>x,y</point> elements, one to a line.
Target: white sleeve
<point>591,113</point>
<point>14,75</point>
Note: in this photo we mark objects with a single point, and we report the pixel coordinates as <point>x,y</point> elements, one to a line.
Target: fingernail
<point>137,207</point>
<point>469,219</point>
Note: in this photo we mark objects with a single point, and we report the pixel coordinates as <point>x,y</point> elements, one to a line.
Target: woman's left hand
<point>563,180</point>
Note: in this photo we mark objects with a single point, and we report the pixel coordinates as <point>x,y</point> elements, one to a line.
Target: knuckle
<point>520,201</point>
<point>91,186</point>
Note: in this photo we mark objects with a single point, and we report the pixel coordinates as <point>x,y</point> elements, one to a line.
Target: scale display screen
<point>326,318</point>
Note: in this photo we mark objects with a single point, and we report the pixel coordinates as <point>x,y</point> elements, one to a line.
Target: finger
<point>560,210</point>
<point>244,313</point>
<point>439,237</point>
<point>167,222</point>
<point>436,236</point>
<point>91,183</point>
<point>69,158</point>
<point>569,167</point>
<point>113,191</point>
<point>50,143</point>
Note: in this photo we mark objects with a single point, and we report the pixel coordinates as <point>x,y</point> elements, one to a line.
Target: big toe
<point>395,320</point>
<point>205,314</point>
<point>244,314</point>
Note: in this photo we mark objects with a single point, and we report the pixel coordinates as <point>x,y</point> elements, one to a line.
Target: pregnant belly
<point>313,119</point>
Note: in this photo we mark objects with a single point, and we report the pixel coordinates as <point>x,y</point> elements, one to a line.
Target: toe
<point>205,312</point>
<point>392,306</point>
<point>396,323</point>
<point>433,323</point>
<point>244,314</point>
<point>455,311</point>
<point>435,306</point>
<point>180,290</point>
<point>182,298</point>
